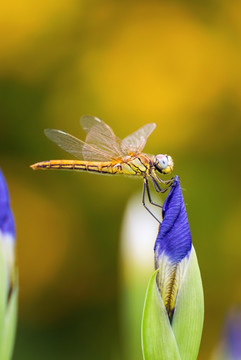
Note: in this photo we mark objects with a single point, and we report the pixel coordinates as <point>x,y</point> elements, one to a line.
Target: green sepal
<point>162,340</point>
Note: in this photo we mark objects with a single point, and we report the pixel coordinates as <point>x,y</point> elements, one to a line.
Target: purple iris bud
<point>7,225</point>
<point>174,236</point>
<point>173,246</point>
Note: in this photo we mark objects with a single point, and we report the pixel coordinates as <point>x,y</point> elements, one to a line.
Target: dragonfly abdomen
<point>132,167</point>
<point>101,167</point>
<point>106,167</point>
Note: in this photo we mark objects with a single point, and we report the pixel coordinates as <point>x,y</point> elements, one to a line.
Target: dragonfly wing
<point>76,147</point>
<point>135,142</point>
<point>100,135</point>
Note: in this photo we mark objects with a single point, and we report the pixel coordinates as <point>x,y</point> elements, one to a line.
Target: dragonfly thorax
<point>163,163</point>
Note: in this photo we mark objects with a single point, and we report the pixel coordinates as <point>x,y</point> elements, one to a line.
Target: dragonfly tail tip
<point>34,166</point>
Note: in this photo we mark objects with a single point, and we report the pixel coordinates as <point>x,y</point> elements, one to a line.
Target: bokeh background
<point>176,63</point>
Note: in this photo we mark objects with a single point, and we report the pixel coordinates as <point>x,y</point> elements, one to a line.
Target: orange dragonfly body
<point>103,152</point>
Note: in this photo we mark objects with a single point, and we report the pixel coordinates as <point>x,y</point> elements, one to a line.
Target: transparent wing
<point>135,142</point>
<point>101,144</point>
<point>101,136</point>
<point>76,147</point>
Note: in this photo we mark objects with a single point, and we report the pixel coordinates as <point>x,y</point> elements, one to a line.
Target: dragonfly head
<point>163,164</point>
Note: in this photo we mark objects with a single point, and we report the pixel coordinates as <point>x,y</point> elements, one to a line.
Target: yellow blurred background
<point>176,63</point>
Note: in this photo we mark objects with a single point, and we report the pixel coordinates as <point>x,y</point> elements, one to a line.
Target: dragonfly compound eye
<point>164,163</point>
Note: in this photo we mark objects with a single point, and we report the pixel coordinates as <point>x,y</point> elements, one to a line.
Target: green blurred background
<point>176,63</point>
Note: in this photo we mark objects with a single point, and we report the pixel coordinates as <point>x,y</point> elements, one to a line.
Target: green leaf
<point>187,323</point>
<point>158,341</point>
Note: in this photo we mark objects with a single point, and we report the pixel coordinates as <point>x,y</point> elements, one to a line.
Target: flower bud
<point>174,307</point>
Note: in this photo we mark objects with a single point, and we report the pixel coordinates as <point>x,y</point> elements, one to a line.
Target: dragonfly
<point>103,152</point>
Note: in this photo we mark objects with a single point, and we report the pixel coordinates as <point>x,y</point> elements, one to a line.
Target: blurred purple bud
<point>7,225</point>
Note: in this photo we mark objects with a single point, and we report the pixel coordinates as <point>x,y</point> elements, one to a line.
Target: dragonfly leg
<point>146,188</point>
<point>149,194</point>
<point>156,180</point>
<point>166,182</point>
<point>157,186</point>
